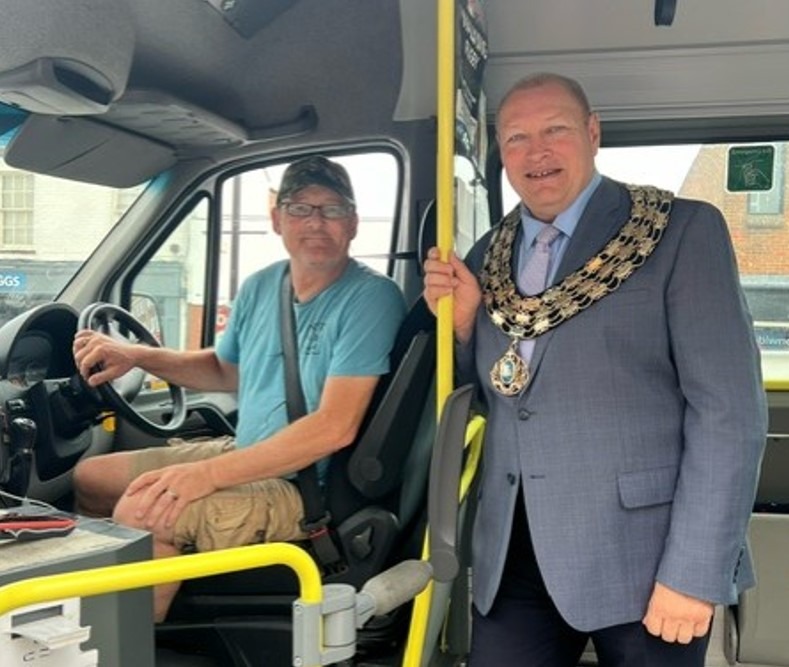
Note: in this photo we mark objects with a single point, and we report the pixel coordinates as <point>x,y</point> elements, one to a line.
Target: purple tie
<point>534,274</point>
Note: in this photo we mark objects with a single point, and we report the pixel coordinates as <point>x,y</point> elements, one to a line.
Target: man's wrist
<point>213,472</point>
<point>148,358</point>
<point>463,335</point>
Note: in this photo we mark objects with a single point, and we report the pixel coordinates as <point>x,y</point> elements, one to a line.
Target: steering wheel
<point>118,394</point>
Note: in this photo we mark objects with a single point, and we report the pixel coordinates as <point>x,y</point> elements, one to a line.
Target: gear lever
<point>23,433</point>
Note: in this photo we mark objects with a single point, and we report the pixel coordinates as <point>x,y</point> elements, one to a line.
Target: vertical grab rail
<point>445,151</point>
<point>445,191</point>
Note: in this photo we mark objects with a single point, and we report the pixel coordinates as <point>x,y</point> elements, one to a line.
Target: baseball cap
<point>315,170</point>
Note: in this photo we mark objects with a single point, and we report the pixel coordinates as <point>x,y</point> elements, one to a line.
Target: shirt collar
<point>566,221</point>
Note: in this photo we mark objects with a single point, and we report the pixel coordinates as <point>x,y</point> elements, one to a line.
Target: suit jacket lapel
<point>608,208</point>
<point>604,215</point>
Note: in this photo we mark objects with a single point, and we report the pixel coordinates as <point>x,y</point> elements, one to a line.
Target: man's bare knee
<point>99,482</point>
<point>124,513</point>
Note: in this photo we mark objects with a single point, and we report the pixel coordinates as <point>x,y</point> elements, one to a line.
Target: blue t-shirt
<point>346,330</point>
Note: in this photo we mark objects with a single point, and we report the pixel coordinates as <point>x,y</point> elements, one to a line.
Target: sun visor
<point>85,150</point>
<point>64,58</point>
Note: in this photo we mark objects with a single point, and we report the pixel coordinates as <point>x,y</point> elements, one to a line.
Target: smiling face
<point>548,143</point>
<point>316,243</point>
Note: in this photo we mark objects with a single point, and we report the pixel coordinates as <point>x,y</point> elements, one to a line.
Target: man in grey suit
<point>626,414</point>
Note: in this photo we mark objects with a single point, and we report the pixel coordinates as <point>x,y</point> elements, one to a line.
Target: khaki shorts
<point>266,511</point>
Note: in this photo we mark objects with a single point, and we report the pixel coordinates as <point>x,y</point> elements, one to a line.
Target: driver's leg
<point>268,510</point>
<point>100,481</point>
<point>163,547</point>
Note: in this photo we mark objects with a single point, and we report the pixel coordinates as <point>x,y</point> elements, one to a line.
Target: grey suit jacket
<point>638,441</point>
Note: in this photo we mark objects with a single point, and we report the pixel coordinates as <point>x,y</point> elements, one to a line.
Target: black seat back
<point>366,481</point>
<point>371,470</point>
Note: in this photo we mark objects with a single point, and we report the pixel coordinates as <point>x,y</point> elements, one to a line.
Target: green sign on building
<point>750,168</point>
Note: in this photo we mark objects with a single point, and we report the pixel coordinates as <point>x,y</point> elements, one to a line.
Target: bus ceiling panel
<point>713,81</point>
<point>725,57</point>
<point>250,65</point>
<point>64,57</point>
<point>342,57</point>
<point>568,26</point>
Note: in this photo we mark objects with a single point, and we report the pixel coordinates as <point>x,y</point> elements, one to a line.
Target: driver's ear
<point>276,221</point>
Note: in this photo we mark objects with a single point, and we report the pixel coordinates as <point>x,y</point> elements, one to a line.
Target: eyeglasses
<point>326,211</point>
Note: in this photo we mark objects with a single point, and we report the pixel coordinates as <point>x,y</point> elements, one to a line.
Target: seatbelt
<point>316,518</point>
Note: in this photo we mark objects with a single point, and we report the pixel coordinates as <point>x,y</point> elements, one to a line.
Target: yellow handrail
<point>445,190</point>
<point>444,234</point>
<point>776,385</point>
<point>84,583</point>
<point>475,434</point>
<point>445,58</point>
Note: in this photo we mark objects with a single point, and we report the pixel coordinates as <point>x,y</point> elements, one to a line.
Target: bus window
<point>758,223</point>
<point>35,209</point>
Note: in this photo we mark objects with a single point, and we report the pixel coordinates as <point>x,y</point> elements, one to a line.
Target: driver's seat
<point>375,494</point>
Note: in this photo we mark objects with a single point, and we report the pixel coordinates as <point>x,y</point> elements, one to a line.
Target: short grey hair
<point>545,78</point>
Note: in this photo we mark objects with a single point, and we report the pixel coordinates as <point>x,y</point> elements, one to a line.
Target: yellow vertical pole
<point>445,203</point>
<point>445,188</point>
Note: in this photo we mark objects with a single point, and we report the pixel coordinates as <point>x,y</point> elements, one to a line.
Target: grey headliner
<point>335,69</point>
<point>195,81</point>
<point>321,47</point>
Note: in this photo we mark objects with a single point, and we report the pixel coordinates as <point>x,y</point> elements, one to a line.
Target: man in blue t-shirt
<point>226,492</point>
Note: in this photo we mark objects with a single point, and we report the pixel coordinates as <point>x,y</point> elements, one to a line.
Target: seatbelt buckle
<point>316,528</point>
<point>323,546</point>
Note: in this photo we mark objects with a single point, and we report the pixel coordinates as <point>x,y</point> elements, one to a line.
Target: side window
<point>168,294</point>
<point>756,217</point>
<point>249,242</point>
<point>472,218</point>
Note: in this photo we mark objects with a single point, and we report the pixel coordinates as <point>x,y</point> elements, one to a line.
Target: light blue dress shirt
<point>565,222</point>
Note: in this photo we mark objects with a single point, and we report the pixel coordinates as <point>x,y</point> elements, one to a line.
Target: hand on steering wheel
<point>119,392</point>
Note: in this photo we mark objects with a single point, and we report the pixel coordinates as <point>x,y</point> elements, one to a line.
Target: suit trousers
<point>525,628</point>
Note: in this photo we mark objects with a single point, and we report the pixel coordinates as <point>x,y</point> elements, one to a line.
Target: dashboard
<point>36,345</point>
<point>30,358</point>
<point>45,412</point>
